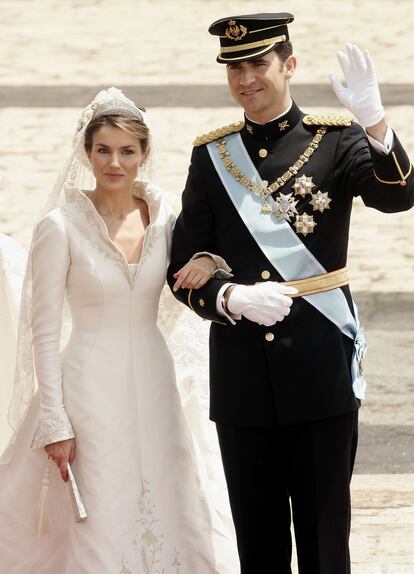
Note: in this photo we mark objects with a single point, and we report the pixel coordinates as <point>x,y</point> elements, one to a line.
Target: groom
<point>272,195</point>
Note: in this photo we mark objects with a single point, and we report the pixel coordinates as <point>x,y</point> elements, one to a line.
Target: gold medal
<point>304,224</point>
<point>303,185</point>
<point>266,209</point>
<point>285,206</point>
<point>320,201</point>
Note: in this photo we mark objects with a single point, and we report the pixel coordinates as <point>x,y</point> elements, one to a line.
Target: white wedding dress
<point>153,506</point>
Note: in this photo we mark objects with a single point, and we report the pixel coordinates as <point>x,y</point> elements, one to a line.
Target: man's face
<point>261,85</point>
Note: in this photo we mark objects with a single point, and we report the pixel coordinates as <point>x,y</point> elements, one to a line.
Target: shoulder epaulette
<point>218,133</point>
<point>327,120</point>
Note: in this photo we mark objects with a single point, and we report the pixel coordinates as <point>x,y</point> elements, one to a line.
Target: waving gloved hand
<point>361,94</point>
<point>265,303</point>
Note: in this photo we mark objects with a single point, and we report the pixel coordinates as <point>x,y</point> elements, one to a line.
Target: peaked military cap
<point>250,36</point>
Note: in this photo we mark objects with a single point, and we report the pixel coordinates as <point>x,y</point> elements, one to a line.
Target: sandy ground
<point>162,42</point>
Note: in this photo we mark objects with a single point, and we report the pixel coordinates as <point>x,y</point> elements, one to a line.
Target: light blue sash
<point>285,251</point>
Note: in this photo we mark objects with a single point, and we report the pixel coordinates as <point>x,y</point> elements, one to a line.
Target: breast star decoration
<point>303,185</point>
<point>285,206</point>
<point>320,201</point>
<point>304,224</point>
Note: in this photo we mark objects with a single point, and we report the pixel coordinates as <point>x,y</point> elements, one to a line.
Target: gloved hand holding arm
<point>264,303</point>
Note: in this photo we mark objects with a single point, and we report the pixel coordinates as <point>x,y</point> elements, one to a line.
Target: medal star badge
<point>304,224</point>
<point>266,209</point>
<point>320,201</point>
<point>303,185</point>
<point>283,125</point>
<point>285,206</point>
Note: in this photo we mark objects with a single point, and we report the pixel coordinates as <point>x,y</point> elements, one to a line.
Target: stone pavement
<point>53,55</point>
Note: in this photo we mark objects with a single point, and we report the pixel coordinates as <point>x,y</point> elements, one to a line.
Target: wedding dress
<point>145,460</point>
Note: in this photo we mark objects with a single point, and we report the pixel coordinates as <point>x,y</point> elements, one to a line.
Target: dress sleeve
<point>50,264</point>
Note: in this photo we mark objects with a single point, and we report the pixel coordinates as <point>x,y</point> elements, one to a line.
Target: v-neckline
<point>104,227</point>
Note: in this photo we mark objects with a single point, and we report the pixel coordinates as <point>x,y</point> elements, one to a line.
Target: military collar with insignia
<point>276,128</point>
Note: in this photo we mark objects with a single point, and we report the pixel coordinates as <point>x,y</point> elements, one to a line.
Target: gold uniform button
<point>263,152</point>
<point>269,337</point>
<point>265,274</point>
<point>201,302</point>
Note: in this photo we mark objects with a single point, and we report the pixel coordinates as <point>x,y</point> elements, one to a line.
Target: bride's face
<point>115,158</point>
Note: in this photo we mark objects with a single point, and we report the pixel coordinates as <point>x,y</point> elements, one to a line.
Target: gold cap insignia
<point>235,32</point>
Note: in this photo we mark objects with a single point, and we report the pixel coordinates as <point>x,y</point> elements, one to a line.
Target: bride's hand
<point>195,273</point>
<point>61,453</point>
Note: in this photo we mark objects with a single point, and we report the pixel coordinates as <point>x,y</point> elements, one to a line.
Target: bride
<point>108,404</point>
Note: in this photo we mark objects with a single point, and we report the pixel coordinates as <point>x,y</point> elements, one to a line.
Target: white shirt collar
<point>273,119</point>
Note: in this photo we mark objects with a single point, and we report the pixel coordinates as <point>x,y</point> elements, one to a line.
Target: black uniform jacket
<point>303,374</point>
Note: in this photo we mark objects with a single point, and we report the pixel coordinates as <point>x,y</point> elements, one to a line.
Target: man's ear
<point>290,66</point>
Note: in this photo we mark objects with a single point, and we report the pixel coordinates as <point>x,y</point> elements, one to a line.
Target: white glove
<point>361,94</point>
<point>265,303</point>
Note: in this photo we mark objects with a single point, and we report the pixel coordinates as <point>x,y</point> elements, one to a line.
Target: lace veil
<point>76,172</point>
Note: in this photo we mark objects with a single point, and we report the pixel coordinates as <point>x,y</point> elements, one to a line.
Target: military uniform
<point>282,396</point>
<point>299,369</point>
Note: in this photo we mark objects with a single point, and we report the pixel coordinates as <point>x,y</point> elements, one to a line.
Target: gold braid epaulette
<point>218,133</point>
<point>328,120</point>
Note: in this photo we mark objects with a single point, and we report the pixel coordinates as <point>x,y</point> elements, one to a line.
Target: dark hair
<point>284,50</point>
<point>131,125</point>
